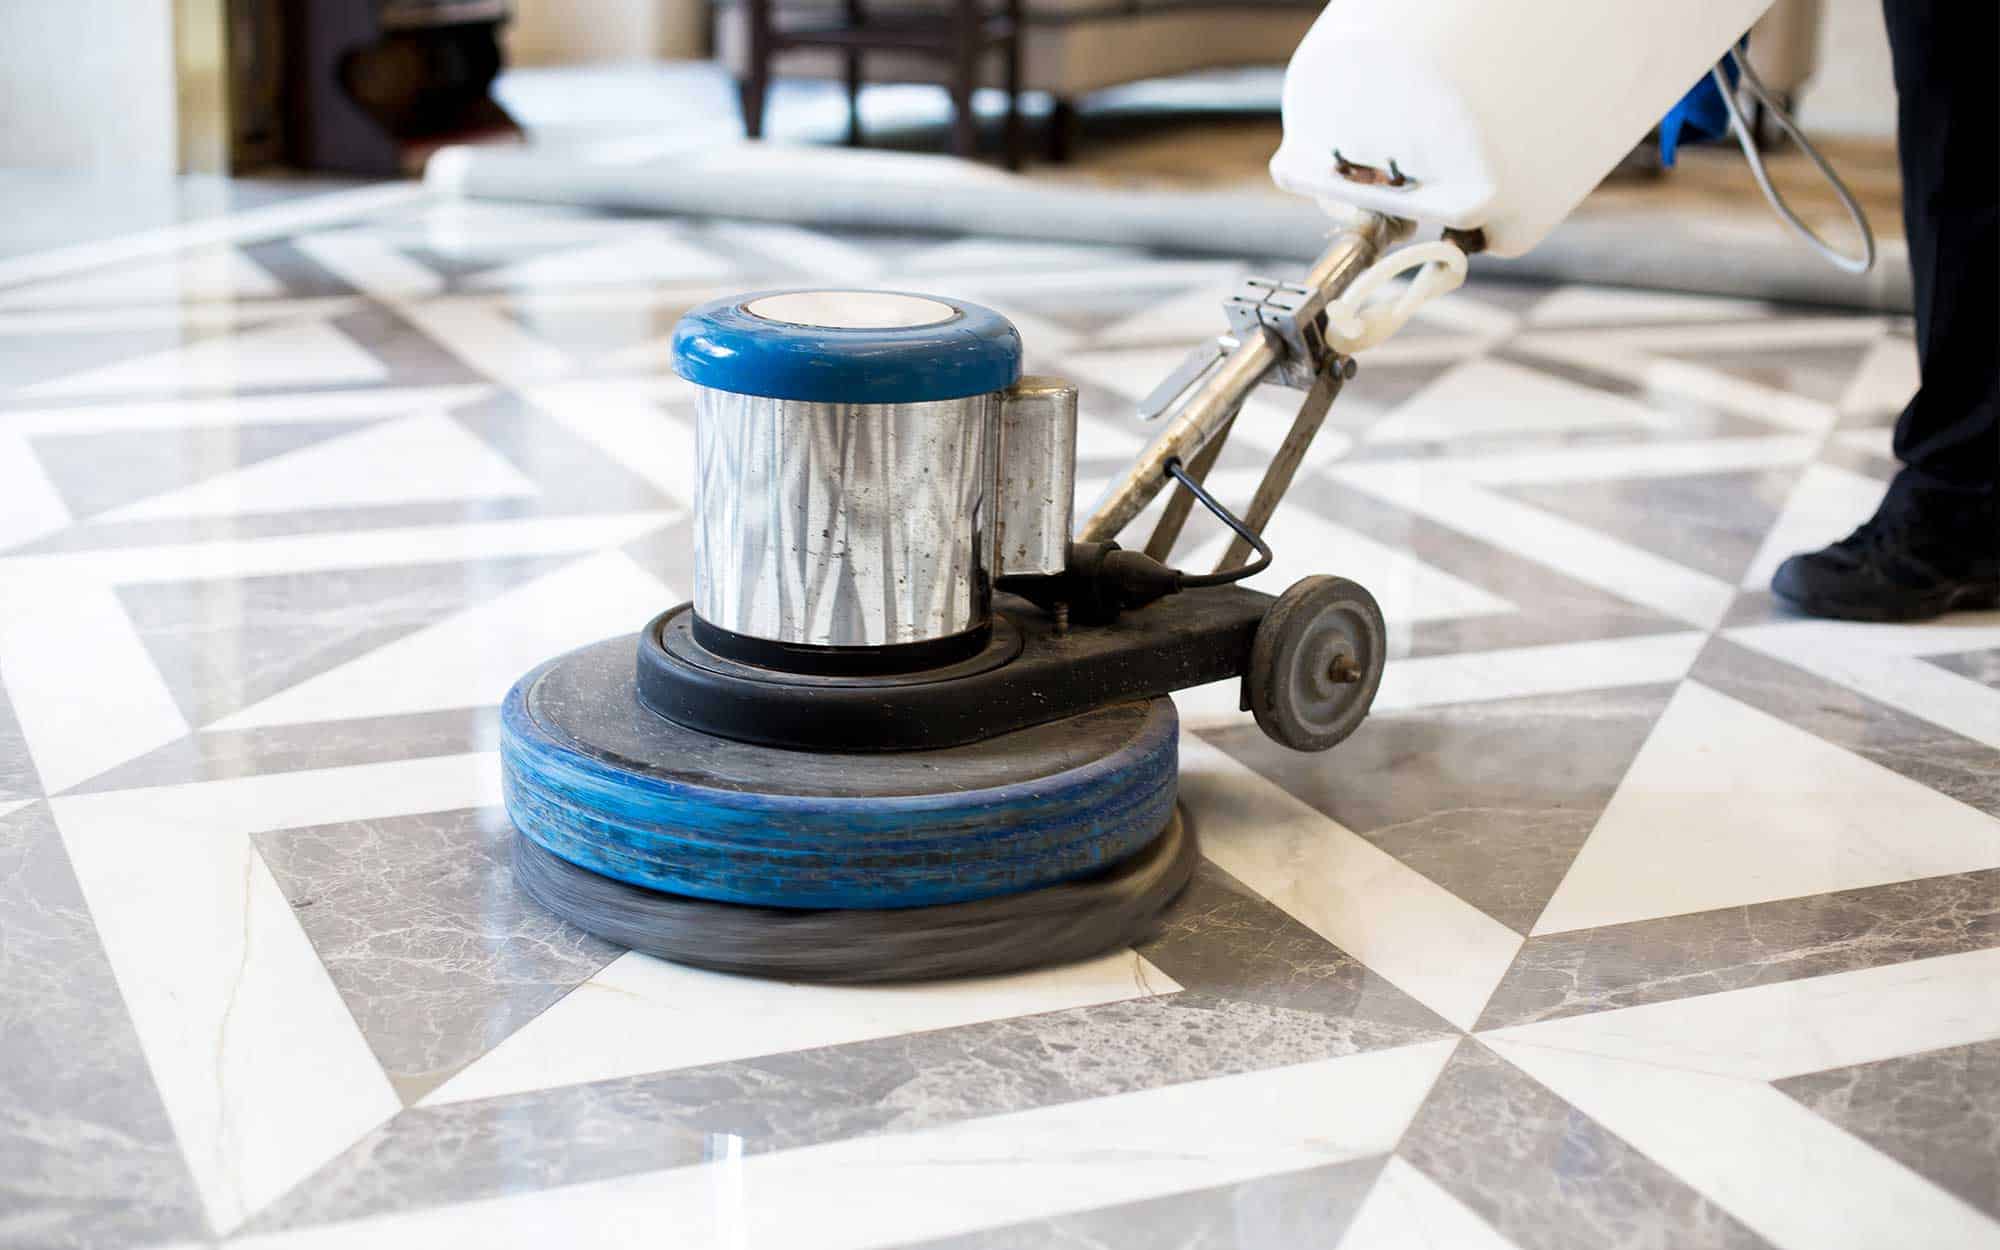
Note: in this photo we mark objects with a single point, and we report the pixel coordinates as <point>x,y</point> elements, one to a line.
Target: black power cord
<point>1263,561</point>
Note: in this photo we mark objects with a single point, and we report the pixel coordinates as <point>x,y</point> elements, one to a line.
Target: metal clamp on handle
<point>1217,390</point>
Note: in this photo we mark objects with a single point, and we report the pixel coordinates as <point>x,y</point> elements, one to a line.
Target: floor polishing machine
<point>914,722</point>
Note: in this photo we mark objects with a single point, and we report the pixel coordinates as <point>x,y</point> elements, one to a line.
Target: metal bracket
<point>1296,315</point>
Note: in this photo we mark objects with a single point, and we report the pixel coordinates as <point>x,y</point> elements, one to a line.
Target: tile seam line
<point>264,222</point>
<point>1500,1035</point>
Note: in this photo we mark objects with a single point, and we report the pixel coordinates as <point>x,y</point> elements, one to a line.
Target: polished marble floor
<point>1640,914</point>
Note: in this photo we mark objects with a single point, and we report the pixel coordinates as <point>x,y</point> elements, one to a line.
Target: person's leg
<point>1934,545</point>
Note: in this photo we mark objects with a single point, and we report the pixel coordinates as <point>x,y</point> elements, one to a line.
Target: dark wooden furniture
<point>958,36</point>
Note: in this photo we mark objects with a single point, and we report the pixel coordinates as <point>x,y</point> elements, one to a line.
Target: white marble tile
<point>1409,1211</point>
<point>307,406</point>
<point>1559,668</point>
<point>308,553</point>
<point>1768,332</point>
<point>1726,805</point>
<point>426,458</point>
<point>1782,1170</point>
<point>1585,554</point>
<point>216,273</point>
<point>291,354</point>
<point>1885,381</point>
<point>1180,318</point>
<point>658,255</point>
<point>263,1072</point>
<point>1485,397</point>
<point>84,689</point>
<point>1423,939</point>
<point>187,318</point>
<point>474,329</point>
<point>1877,440</point>
<point>889,1189</point>
<point>270,221</point>
<point>1304,544</point>
<point>641,1014</point>
<point>471,658</point>
<point>1882,662</point>
<point>1768,1032</point>
<point>34,506</point>
<point>1624,461</point>
<point>366,262</point>
<point>1681,381</point>
<point>1827,503</point>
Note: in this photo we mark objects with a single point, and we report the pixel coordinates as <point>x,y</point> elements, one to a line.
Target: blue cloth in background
<point>1701,114</point>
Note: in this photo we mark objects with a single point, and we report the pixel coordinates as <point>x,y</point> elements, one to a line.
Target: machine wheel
<point>1316,663</point>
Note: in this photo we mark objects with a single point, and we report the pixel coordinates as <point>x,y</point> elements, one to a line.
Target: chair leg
<point>964,78</point>
<point>853,98</point>
<point>851,13</point>
<point>1012,51</point>
<point>1062,130</point>
<point>755,84</point>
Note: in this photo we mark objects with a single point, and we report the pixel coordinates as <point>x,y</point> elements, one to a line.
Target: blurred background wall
<point>88,84</point>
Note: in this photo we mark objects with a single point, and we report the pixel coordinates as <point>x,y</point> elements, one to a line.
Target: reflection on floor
<point>1640,913</point>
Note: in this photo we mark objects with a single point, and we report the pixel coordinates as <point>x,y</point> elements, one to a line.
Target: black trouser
<point>1948,127</point>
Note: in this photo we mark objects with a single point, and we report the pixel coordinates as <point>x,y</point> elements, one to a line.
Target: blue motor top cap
<point>847,347</point>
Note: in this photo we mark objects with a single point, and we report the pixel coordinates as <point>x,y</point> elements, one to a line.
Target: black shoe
<point>1921,555</point>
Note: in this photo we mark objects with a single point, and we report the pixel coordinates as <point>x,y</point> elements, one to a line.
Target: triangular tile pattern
<point>1726,805</point>
<point>419,459</point>
<point>1469,794</point>
<point>470,658</point>
<point>295,354</point>
<point>407,913</point>
<point>287,841</point>
<point>99,472</point>
<point>1937,1113</point>
<point>223,644</point>
<point>212,274</point>
<point>1823,373</point>
<point>1714,523</point>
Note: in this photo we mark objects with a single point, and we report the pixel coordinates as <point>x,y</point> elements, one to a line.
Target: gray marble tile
<point>431,1156</point>
<point>1490,800</point>
<point>222,644</point>
<point>411,356</point>
<point>572,474</point>
<point>587,332</point>
<point>98,472</point>
<point>87,1156</point>
<point>1711,523</point>
<point>217,755</point>
<point>417,920</point>
<point>1937,1113</point>
<point>303,276</point>
<point>1817,372</point>
<point>1981,666</point>
<point>1290,1211</point>
<point>1222,938</point>
<point>1651,961</point>
<point>1966,770</point>
<point>1548,1176</point>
